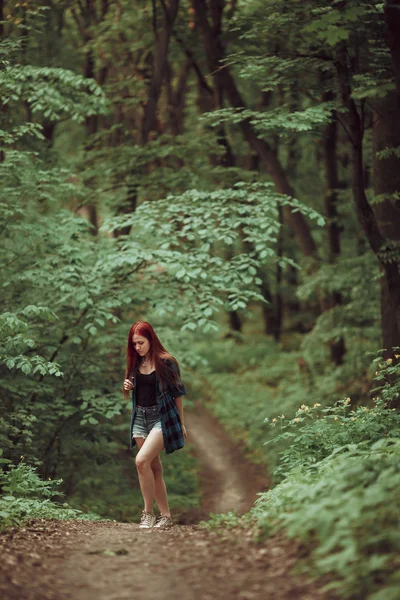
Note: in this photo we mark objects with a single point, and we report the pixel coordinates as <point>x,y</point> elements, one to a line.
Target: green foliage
<point>316,432</point>
<point>332,25</point>
<point>115,170</point>
<point>228,520</point>
<point>388,152</point>
<point>191,229</point>
<point>348,505</point>
<point>55,93</point>
<point>338,463</point>
<point>250,382</point>
<point>339,492</point>
<point>356,320</point>
<point>185,232</point>
<point>62,290</point>
<point>25,496</point>
<point>387,376</point>
<point>14,341</point>
<point>281,120</point>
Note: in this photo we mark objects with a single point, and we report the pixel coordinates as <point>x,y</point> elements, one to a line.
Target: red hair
<point>157,354</point>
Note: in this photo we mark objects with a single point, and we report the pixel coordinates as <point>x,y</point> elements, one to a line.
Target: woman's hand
<point>184,432</point>
<point>128,385</point>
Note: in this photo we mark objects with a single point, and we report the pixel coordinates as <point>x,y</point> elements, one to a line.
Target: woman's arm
<point>179,406</point>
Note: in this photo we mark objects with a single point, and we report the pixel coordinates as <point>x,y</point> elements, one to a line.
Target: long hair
<point>157,355</point>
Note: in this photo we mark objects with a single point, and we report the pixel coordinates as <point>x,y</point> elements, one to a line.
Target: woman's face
<point>141,344</point>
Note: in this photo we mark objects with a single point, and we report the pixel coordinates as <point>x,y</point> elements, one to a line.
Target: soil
<point>227,479</point>
<point>106,560</point>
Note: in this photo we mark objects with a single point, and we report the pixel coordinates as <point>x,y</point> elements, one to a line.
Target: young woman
<point>157,415</point>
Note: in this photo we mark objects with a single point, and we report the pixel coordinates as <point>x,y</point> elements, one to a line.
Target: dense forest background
<point>228,171</point>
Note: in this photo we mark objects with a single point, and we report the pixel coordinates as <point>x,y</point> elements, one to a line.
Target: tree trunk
<point>273,312</point>
<point>208,100</point>
<point>386,135</point>
<point>278,296</point>
<point>392,18</point>
<point>235,321</point>
<point>223,80</point>
<point>149,120</point>
<point>159,64</point>
<point>84,21</point>
<point>329,146</point>
<point>366,216</point>
<point>176,97</point>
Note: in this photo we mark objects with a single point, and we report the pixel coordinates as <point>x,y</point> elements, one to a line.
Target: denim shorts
<point>146,419</point>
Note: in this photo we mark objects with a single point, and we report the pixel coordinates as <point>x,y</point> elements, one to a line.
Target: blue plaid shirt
<point>170,418</point>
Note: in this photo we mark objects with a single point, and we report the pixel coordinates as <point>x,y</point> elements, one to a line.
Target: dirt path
<point>105,560</point>
<point>227,479</point>
<point>78,560</point>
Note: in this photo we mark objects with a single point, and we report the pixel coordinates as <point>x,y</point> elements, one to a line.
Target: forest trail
<point>227,479</point>
<point>106,560</point>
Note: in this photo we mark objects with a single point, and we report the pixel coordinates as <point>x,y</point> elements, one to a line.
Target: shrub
<point>348,504</point>
<point>316,432</point>
<point>340,489</point>
<point>26,496</point>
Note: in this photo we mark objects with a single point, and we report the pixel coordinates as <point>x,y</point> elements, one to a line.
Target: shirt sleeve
<point>176,388</point>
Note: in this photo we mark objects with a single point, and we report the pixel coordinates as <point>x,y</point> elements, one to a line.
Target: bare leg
<point>160,487</point>
<point>150,448</point>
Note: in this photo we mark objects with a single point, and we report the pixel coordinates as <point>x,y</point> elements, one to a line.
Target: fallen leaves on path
<point>104,560</point>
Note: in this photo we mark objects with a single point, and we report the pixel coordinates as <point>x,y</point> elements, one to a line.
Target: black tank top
<point>146,389</point>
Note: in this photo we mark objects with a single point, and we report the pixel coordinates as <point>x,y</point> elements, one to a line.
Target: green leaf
<point>26,368</point>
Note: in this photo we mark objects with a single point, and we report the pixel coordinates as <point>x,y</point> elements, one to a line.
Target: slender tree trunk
<point>278,296</point>
<point>337,348</point>
<point>223,80</point>
<point>235,321</point>
<point>273,312</point>
<point>386,135</point>
<point>293,306</point>
<point>85,20</point>
<point>176,97</point>
<point>159,64</point>
<point>366,216</point>
<point>162,39</point>
<point>207,102</point>
<point>3,107</point>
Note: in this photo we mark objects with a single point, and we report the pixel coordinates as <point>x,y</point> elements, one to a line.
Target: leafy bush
<point>26,496</point>
<point>250,382</point>
<point>348,504</point>
<point>340,492</point>
<point>228,520</point>
<point>320,432</point>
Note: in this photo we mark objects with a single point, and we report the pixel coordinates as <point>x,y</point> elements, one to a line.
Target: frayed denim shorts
<point>146,419</point>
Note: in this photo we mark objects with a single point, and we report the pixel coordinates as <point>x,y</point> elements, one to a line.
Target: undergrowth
<point>25,496</point>
<point>338,470</point>
<point>248,383</point>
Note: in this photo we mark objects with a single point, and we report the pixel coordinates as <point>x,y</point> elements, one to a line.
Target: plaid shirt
<point>170,418</point>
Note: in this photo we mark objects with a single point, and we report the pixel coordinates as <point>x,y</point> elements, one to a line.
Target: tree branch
<point>196,68</point>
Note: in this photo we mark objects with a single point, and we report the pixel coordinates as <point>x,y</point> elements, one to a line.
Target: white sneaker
<point>147,520</point>
<point>163,522</point>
